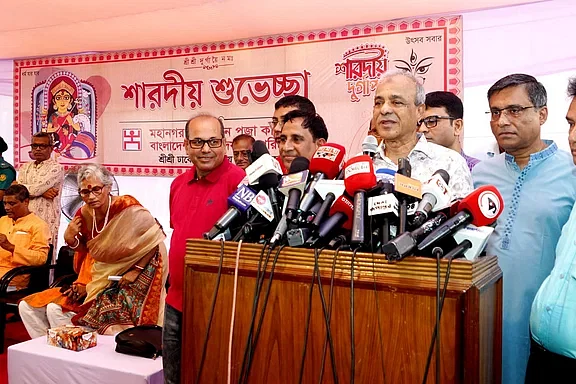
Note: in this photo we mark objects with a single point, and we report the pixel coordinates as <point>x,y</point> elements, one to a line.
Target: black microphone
<point>459,250</point>
<point>291,184</point>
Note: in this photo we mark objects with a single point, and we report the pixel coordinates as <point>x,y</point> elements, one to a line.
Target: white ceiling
<point>32,28</point>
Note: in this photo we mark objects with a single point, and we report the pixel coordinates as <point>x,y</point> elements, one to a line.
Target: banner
<point>127,110</point>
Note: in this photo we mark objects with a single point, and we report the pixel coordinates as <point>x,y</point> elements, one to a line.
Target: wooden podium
<point>390,348</point>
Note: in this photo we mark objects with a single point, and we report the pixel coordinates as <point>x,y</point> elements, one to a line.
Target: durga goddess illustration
<point>62,114</point>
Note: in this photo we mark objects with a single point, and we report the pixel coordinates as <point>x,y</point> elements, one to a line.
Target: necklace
<point>94,226</point>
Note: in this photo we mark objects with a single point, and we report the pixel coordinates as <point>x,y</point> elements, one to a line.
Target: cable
<point>233,312</point>
<point>257,289</point>
<point>439,253</point>
<point>334,371</point>
<point>379,320</point>
<point>435,332</point>
<point>307,327</point>
<point>213,306</point>
<point>352,347</point>
<point>263,311</point>
<point>326,317</point>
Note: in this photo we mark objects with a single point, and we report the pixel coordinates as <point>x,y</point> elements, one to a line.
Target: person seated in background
<point>242,150</point>
<point>124,240</point>
<point>442,123</point>
<point>24,237</point>
<point>302,134</point>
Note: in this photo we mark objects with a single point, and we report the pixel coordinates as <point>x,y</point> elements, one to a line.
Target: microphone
<point>239,202</point>
<point>404,244</point>
<point>263,165</point>
<point>478,237</point>
<point>385,208</point>
<point>340,216</point>
<point>291,185</point>
<point>481,207</point>
<point>370,146</point>
<point>458,250</point>
<point>358,178</point>
<point>259,148</point>
<point>406,188</point>
<point>435,196</point>
<point>325,164</point>
<point>324,208</point>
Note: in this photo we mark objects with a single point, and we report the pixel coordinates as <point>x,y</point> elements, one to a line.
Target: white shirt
<point>426,158</point>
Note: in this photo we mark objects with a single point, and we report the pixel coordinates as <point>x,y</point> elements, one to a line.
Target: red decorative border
<point>452,42</point>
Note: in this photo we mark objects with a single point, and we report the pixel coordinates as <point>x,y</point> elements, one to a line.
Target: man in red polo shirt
<point>197,200</point>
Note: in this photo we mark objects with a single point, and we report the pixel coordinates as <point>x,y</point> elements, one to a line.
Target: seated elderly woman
<point>112,236</point>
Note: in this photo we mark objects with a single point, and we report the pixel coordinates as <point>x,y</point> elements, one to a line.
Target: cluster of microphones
<point>327,202</point>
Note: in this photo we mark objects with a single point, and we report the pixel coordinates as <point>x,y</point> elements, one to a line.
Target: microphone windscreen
<point>359,174</point>
<point>370,144</point>
<point>485,204</point>
<point>268,180</point>
<point>344,205</point>
<point>299,164</point>
<point>259,148</point>
<point>328,159</point>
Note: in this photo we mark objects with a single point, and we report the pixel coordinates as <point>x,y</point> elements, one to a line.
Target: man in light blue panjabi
<point>538,184</point>
<point>553,316</point>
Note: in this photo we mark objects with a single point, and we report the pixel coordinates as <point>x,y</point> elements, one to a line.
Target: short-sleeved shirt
<point>7,177</point>
<point>195,206</point>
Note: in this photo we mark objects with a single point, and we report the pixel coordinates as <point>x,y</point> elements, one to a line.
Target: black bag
<point>142,340</point>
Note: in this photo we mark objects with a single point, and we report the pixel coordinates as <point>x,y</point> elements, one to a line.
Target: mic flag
<point>481,207</point>
<point>239,202</point>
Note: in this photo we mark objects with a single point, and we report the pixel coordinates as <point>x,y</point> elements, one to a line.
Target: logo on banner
<point>132,139</point>
<point>362,66</point>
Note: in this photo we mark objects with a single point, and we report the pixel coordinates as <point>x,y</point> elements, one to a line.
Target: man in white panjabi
<point>43,178</point>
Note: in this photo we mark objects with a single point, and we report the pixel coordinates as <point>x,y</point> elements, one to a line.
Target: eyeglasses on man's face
<point>40,146</point>
<point>199,143</point>
<point>432,121</point>
<point>96,191</point>
<point>513,111</point>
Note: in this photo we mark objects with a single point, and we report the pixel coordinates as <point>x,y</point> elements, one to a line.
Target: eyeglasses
<point>96,191</point>
<point>432,121</point>
<point>40,146</point>
<point>513,111</point>
<point>199,143</point>
<point>273,124</point>
<point>242,153</point>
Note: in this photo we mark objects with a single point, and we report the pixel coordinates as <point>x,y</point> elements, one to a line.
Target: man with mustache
<point>302,134</point>
<point>553,315</point>
<point>398,106</point>
<point>536,180</point>
<point>242,150</point>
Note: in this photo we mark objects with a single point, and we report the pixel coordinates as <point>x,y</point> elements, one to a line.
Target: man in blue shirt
<point>553,316</point>
<point>537,183</point>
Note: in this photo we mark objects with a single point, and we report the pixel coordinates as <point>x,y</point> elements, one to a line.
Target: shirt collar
<point>551,149</point>
<point>421,146</point>
<point>213,176</point>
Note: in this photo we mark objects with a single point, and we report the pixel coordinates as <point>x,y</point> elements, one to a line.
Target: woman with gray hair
<point>112,236</point>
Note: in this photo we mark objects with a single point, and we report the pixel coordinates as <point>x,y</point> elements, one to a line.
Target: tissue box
<point>72,338</point>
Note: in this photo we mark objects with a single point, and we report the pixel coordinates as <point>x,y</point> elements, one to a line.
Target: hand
<point>72,231</point>
<point>129,277</point>
<point>4,243</point>
<point>50,193</point>
<point>76,292</point>
<point>69,120</point>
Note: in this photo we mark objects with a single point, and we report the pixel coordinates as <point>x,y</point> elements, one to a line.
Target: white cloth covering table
<point>36,362</point>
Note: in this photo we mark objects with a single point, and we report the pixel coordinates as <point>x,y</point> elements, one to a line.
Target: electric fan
<point>70,199</point>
